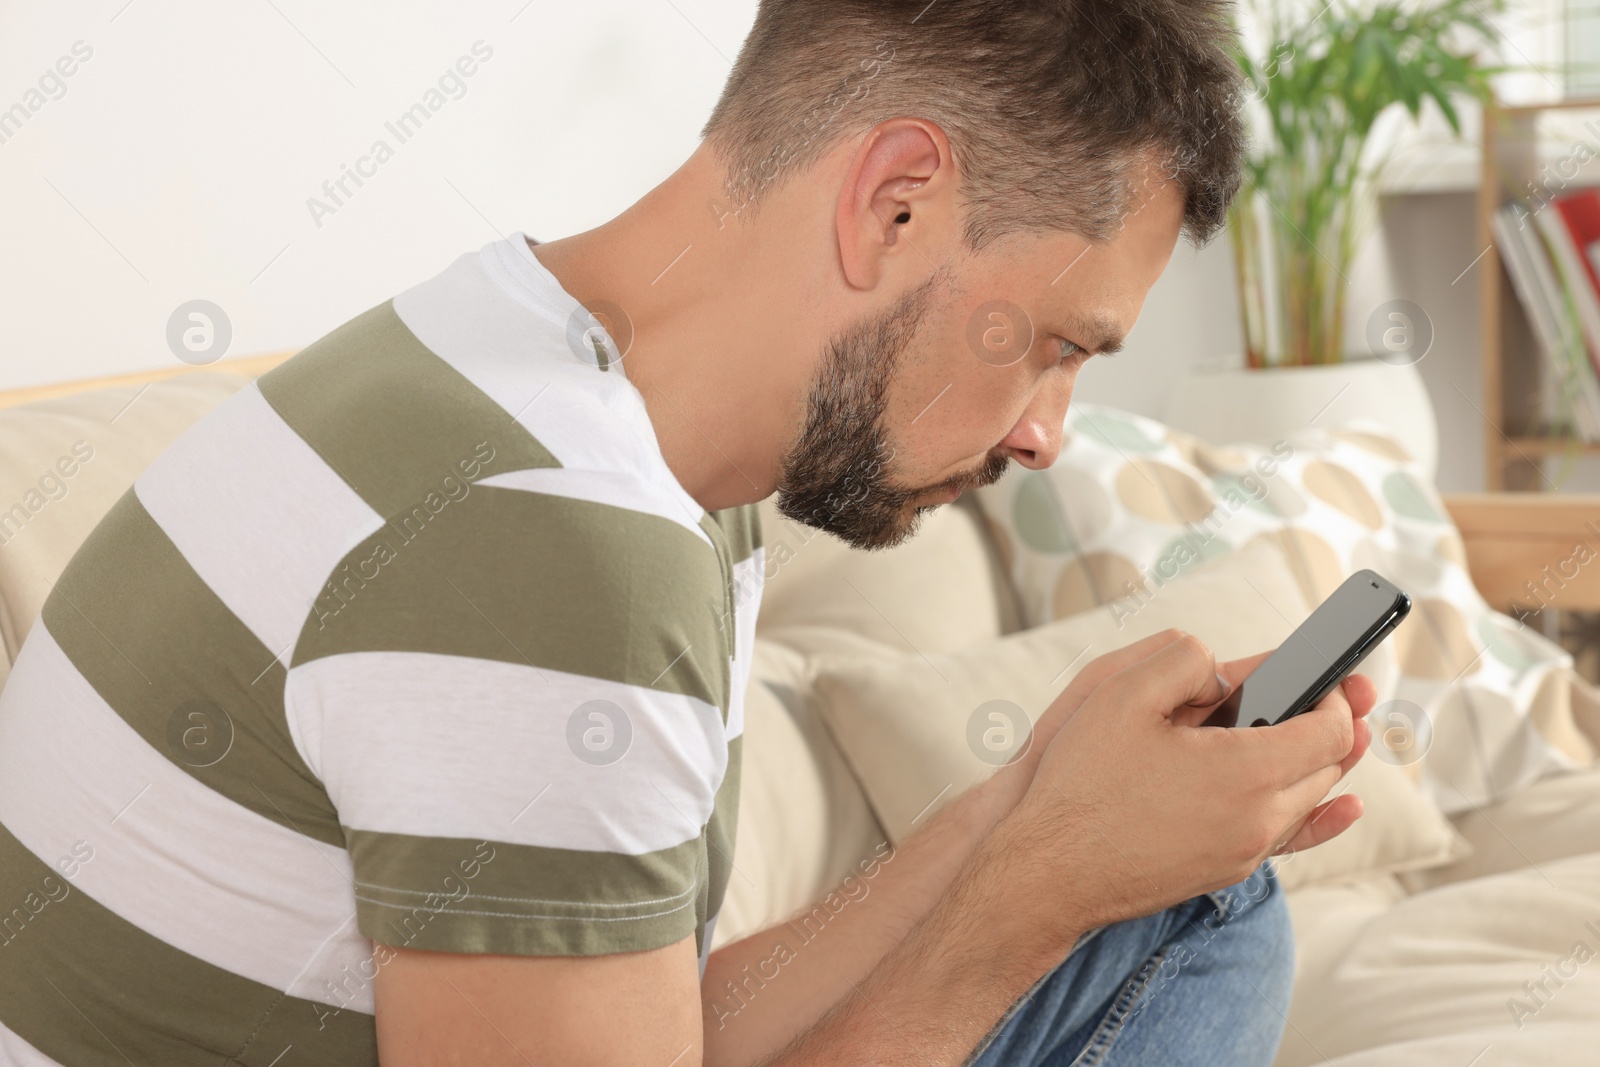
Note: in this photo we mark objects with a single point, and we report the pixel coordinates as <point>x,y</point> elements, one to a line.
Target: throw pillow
<point>914,728</point>
<point>1483,705</point>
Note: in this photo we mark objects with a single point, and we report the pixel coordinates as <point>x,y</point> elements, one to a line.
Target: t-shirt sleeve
<point>518,710</point>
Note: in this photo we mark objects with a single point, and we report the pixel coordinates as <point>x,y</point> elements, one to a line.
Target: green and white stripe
<point>310,684</point>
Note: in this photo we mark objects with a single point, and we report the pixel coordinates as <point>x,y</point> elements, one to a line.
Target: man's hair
<point>1053,108</point>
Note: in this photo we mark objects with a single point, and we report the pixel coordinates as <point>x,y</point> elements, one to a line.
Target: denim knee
<point>1243,929</point>
<point>1268,932</point>
<point>1173,987</point>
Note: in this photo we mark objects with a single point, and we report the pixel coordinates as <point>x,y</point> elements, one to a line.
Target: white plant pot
<point>1228,403</point>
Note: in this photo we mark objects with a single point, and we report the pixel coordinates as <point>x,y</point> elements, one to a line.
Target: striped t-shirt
<point>418,641</point>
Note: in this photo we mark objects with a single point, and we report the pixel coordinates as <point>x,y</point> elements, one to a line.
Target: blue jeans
<point>1206,982</point>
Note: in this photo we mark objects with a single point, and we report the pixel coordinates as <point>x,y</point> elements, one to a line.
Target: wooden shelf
<point>1550,446</point>
<point>1512,360</point>
<point>1575,104</point>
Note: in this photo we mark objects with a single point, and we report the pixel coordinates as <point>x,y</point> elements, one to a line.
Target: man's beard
<point>838,475</point>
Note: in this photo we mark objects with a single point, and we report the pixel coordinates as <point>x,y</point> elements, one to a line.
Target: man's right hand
<point>1137,808</point>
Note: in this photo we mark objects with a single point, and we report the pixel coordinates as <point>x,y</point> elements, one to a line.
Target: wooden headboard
<point>247,366</point>
<point>1530,549</point>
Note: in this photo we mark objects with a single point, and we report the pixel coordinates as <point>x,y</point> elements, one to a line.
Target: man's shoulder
<point>389,415</point>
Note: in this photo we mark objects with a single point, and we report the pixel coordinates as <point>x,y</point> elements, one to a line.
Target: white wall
<point>179,159</point>
<point>1425,242</point>
<point>178,162</point>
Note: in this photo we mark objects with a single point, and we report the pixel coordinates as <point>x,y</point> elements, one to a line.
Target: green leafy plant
<point>1325,79</point>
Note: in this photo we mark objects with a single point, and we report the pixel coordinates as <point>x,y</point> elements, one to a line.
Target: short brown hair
<point>1051,106</point>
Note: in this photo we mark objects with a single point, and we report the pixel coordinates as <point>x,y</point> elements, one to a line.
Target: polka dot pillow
<point>1480,706</point>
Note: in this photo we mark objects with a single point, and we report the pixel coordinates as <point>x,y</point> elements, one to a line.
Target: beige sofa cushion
<point>803,821</point>
<point>1442,976</point>
<point>903,723</point>
<point>1327,918</point>
<point>1550,820</point>
<point>942,590</point>
<point>105,438</point>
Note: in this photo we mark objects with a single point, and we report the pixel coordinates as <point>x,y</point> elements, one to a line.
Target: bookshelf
<point>1514,154</point>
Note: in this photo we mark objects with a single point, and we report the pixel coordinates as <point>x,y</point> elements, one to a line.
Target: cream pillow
<point>940,591</point>
<point>903,723</point>
<point>1504,963</point>
<point>804,823</point>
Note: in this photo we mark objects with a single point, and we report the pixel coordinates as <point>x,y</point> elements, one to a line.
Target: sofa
<point>1428,937</point>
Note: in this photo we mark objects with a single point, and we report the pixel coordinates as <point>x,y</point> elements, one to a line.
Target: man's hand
<point>1148,808</point>
<point>1018,775</point>
<point>1098,670</point>
<point>1332,818</point>
<point>1358,691</point>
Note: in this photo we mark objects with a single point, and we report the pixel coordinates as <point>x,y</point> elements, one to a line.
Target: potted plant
<point>1327,76</point>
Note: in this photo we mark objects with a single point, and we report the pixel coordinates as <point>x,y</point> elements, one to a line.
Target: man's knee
<point>1279,937</point>
<point>1243,929</point>
<point>1257,909</point>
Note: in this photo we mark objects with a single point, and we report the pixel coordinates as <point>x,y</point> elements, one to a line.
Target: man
<point>395,713</point>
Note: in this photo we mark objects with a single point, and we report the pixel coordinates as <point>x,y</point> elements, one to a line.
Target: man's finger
<point>1362,693</point>
<point>1180,672</point>
<point>1103,667</point>
<point>1360,729</point>
<point>1361,739</point>
<point>1317,740</point>
<point>1233,673</point>
<point>1305,794</point>
<point>1326,821</point>
<point>1237,670</point>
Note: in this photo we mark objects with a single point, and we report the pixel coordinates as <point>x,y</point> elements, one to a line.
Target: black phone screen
<point>1325,648</point>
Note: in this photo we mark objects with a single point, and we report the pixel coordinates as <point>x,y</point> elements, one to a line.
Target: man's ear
<point>901,173</point>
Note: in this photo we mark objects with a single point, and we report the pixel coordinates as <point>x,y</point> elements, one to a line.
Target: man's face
<point>971,369</point>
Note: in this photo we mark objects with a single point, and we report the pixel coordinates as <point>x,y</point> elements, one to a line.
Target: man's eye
<point>1069,351</point>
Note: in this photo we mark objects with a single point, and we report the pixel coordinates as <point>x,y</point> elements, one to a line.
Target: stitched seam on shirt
<point>517,915</point>
<point>528,900</point>
<point>250,1039</point>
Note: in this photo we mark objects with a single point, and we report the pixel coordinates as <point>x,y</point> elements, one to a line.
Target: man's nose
<point>1035,441</point>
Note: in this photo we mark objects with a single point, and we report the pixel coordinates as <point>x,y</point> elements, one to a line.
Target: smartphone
<point>1330,644</point>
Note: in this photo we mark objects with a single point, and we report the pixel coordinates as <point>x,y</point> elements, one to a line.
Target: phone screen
<point>1320,653</point>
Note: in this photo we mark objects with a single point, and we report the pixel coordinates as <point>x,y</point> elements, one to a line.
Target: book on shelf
<point>1581,213</point>
<point>1548,292</point>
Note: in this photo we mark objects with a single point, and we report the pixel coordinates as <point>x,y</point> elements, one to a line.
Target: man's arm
<point>448,1009</point>
<point>1067,859</point>
<point>436,1008</point>
<point>981,946</point>
<point>763,990</point>
<point>562,1009</point>
<point>1205,807</point>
